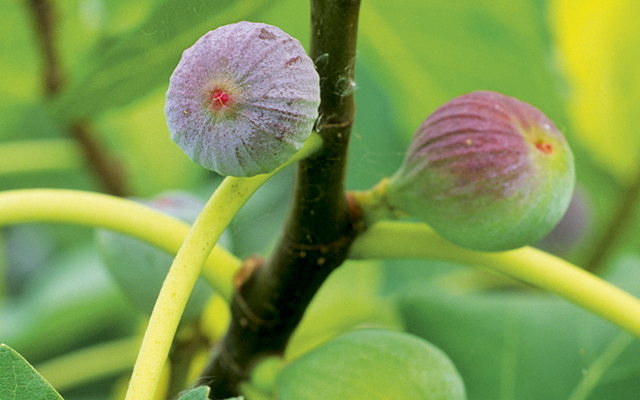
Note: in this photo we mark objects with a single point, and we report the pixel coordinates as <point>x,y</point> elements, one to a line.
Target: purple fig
<point>487,171</point>
<point>243,99</point>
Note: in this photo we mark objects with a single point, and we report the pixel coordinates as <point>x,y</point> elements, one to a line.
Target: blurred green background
<point>575,60</point>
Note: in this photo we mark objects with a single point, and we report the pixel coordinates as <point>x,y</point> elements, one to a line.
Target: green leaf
<point>69,302</point>
<point>20,381</point>
<point>356,283</point>
<point>372,364</point>
<point>505,341</point>
<point>598,48</point>
<point>199,393</point>
<point>20,57</point>
<point>139,269</point>
<point>377,148</point>
<point>144,59</point>
<point>429,52</point>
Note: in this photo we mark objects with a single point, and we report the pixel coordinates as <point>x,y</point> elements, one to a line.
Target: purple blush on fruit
<point>243,99</point>
<point>486,171</point>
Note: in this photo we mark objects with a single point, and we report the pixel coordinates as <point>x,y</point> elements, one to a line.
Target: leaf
<point>20,381</point>
<point>356,284</point>
<point>372,364</point>
<point>506,342</point>
<point>377,147</point>
<point>199,393</point>
<point>19,61</point>
<point>144,59</point>
<point>429,52</point>
<point>139,269</point>
<point>69,302</point>
<point>598,46</point>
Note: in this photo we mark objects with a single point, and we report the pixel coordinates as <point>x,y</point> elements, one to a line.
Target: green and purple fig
<point>243,99</point>
<point>487,171</point>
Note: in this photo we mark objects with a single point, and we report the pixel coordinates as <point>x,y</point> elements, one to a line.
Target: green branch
<point>319,229</point>
<point>223,205</point>
<point>117,214</point>
<point>387,240</point>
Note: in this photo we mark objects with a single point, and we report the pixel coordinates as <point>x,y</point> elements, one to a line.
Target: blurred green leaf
<point>144,59</point>
<point>19,61</point>
<point>506,342</point>
<point>20,381</point>
<point>377,145</point>
<point>70,303</point>
<point>372,364</point>
<point>429,52</point>
<point>139,269</point>
<point>199,393</point>
<point>598,48</point>
<point>255,228</point>
<point>356,283</point>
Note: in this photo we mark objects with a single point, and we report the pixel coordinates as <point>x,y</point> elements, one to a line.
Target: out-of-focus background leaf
<point>598,46</point>
<point>575,60</point>
<point>510,343</point>
<point>115,78</point>
<point>428,52</point>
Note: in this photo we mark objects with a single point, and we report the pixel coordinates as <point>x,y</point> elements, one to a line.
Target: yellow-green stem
<point>386,240</point>
<point>117,214</point>
<point>223,205</point>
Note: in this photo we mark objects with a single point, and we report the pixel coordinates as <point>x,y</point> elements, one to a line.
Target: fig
<point>487,171</point>
<point>243,99</point>
<point>372,364</point>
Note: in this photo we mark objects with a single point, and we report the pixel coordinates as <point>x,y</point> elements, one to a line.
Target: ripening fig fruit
<point>372,364</point>
<point>487,171</point>
<point>243,99</point>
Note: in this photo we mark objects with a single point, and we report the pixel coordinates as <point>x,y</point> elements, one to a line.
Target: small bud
<point>243,99</point>
<point>487,172</point>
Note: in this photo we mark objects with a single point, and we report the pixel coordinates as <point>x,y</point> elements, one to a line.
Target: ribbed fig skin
<point>487,171</point>
<point>243,99</point>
